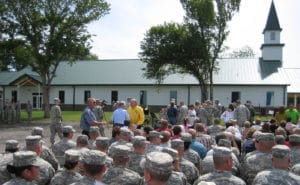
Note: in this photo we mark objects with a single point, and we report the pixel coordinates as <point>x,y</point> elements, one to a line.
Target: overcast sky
<point>118,34</point>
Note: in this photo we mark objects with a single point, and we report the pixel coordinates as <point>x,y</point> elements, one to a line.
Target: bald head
<point>165,136</point>
<point>133,103</point>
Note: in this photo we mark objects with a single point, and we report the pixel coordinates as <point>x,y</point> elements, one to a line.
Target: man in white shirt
<point>120,115</point>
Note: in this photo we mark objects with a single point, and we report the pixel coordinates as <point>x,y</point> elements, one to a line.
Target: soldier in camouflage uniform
<point>29,111</point>
<point>99,114</point>
<point>124,139</point>
<point>65,144</point>
<point>295,148</point>
<point>241,114</point>
<point>139,148</point>
<point>119,174</point>
<point>10,114</point>
<point>56,118</point>
<point>216,128</point>
<point>92,160</point>
<point>186,167</point>
<point>281,156</point>
<point>222,175</point>
<point>296,169</point>
<point>68,175</point>
<point>177,177</point>
<point>157,168</point>
<point>1,110</point>
<point>47,154</point>
<point>11,146</point>
<point>155,140</point>
<point>102,144</point>
<point>182,113</point>
<point>94,133</point>
<point>24,159</point>
<point>33,143</point>
<point>18,111</point>
<point>218,109</point>
<point>190,154</point>
<point>203,114</point>
<point>259,160</point>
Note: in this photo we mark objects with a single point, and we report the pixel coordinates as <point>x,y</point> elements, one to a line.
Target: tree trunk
<point>46,92</point>
<point>211,86</point>
<point>204,93</point>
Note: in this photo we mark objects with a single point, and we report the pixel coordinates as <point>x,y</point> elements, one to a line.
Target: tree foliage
<point>49,31</point>
<point>192,47</point>
<point>244,52</point>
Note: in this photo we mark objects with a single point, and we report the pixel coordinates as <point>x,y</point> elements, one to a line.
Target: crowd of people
<point>189,145</point>
<point>10,111</point>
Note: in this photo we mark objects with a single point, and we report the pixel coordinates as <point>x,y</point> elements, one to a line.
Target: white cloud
<point>119,33</point>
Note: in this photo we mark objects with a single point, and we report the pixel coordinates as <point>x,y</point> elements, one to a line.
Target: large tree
<point>51,31</point>
<point>195,48</point>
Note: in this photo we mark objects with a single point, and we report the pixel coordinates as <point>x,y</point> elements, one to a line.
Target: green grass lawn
<point>72,116</point>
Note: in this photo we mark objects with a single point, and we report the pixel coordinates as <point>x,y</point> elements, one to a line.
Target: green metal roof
<point>129,72</point>
<point>272,22</point>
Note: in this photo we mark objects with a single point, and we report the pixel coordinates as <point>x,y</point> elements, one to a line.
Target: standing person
<point>18,112</point>
<point>25,167</point>
<point>203,114</point>
<point>182,112</point>
<point>218,109</point>
<point>172,113</point>
<point>120,115</point>
<point>136,114</point>
<point>56,118</point>
<point>191,115</point>
<point>88,118</point>
<point>10,114</point>
<point>292,113</point>
<point>280,115</point>
<point>252,111</point>
<point>241,113</point>
<point>99,114</point>
<point>1,110</point>
<point>228,115</point>
<point>29,111</point>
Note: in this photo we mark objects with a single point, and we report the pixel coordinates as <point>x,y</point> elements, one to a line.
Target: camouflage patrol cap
<point>37,131</point>
<point>68,129</point>
<point>139,141</point>
<point>94,130</point>
<point>294,138</point>
<point>11,144</point>
<point>33,140</point>
<point>125,131</point>
<point>265,137</point>
<point>82,139</point>
<point>120,151</point>
<point>225,143</point>
<point>102,142</point>
<point>24,158</point>
<point>173,153</point>
<point>186,137</point>
<point>94,157</point>
<point>155,134</point>
<point>221,151</point>
<point>72,156</point>
<point>281,151</point>
<point>158,163</point>
<point>177,143</point>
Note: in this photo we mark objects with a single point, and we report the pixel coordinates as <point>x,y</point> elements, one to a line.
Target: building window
<point>173,96</point>
<point>235,95</point>
<point>87,95</point>
<point>114,96</point>
<point>61,96</point>
<point>14,96</point>
<point>143,98</point>
<point>270,98</point>
<point>272,35</point>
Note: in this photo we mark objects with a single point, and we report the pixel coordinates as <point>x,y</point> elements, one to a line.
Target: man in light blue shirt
<point>120,115</point>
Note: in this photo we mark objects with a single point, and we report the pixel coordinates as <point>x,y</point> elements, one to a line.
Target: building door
<point>173,96</point>
<point>37,100</point>
<point>143,98</point>
<point>235,95</point>
<point>14,96</point>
